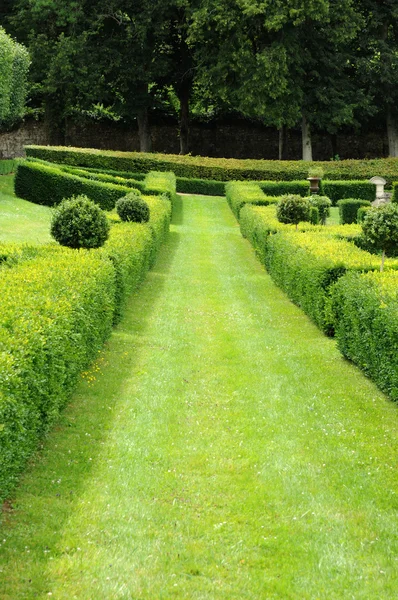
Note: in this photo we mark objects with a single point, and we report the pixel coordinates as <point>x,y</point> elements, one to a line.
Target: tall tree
<point>286,63</point>
<point>377,62</point>
<point>14,65</point>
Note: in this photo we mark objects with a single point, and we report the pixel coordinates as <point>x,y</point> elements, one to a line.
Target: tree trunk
<point>144,132</point>
<point>306,139</point>
<point>280,148</point>
<point>392,134</point>
<point>184,97</point>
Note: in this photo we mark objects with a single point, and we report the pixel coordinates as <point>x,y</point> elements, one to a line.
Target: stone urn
<point>314,184</point>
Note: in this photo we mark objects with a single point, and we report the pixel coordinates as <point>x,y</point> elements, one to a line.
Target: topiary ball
<point>291,209</point>
<point>79,223</point>
<point>132,208</point>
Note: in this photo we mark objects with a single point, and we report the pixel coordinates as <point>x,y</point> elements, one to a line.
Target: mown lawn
<point>220,448</point>
<point>21,221</point>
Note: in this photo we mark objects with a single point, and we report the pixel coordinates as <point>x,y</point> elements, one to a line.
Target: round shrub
<point>79,223</point>
<point>132,208</point>
<point>323,204</point>
<point>292,209</point>
<point>380,229</point>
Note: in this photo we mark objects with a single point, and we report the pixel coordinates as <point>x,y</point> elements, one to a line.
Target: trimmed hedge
<point>348,209</point>
<point>394,197</point>
<point>49,184</point>
<point>339,190</point>
<point>366,314</point>
<point>219,169</point>
<point>240,193</point>
<point>58,307</point>
<point>280,188</point>
<point>203,187</point>
<point>305,266</point>
<point>57,310</point>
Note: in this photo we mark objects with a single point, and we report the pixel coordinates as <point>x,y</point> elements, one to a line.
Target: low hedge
<point>239,193</point>
<point>160,183</point>
<point>394,197</point>
<point>104,177</point>
<point>280,188</point>
<point>49,184</point>
<point>203,187</point>
<point>305,267</point>
<point>219,169</point>
<point>58,307</point>
<point>46,185</point>
<point>338,190</point>
<point>348,209</point>
<point>366,311</point>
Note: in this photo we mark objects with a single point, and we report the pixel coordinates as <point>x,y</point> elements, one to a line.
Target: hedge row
<point>240,193</point>
<point>339,190</point>
<point>218,169</point>
<point>48,184</point>
<point>57,310</point>
<point>365,308</point>
<point>305,266</point>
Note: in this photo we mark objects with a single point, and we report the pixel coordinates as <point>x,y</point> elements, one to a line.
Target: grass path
<point>21,220</point>
<point>220,448</point>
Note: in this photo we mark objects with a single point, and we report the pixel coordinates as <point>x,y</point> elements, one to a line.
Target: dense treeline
<point>320,64</point>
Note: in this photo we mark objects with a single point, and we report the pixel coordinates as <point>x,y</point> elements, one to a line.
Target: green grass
<point>334,218</point>
<point>21,221</point>
<point>220,448</point>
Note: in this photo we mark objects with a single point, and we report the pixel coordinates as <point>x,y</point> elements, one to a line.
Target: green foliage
<point>314,215</point>
<point>47,185</point>
<point>380,228</point>
<point>279,188</point>
<point>366,315</point>
<point>164,184</point>
<point>218,169</point>
<point>395,192</point>
<point>132,208</point>
<point>323,204</point>
<point>239,193</point>
<point>79,223</point>
<point>338,190</point>
<point>362,210</point>
<point>7,166</point>
<point>348,209</point>
<point>292,209</point>
<point>203,187</point>
<point>14,65</point>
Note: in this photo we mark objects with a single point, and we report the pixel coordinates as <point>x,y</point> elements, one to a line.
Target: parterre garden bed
<point>59,322</point>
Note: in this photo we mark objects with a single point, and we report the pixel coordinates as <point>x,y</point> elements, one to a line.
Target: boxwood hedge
<point>366,315</point>
<point>338,190</point>
<point>239,193</point>
<point>219,169</point>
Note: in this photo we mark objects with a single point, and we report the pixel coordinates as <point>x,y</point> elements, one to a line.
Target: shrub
<point>366,310</point>
<point>339,190</point>
<point>348,209</point>
<point>132,208</point>
<point>292,209</point>
<point>362,210</point>
<point>164,184</point>
<point>314,215</point>
<point>279,188</point>
<point>380,228</point>
<point>323,204</point>
<point>204,187</point>
<point>79,223</point>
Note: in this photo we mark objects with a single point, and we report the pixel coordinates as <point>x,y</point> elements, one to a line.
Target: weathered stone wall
<point>229,140</point>
<point>12,143</point>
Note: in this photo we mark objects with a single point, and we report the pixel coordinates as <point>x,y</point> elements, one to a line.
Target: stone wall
<point>239,139</point>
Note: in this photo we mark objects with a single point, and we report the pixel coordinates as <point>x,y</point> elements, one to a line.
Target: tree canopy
<point>318,64</point>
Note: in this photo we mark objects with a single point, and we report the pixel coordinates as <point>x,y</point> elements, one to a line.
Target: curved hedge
<point>239,193</point>
<point>48,184</point>
<point>218,169</point>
